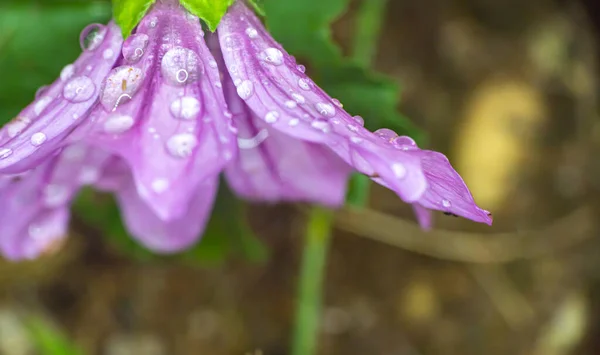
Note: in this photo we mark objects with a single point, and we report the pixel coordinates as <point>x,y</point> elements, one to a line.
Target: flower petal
<point>288,101</point>
<point>164,113</point>
<point>272,166</point>
<point>167,236</point>
<point>41,127</point>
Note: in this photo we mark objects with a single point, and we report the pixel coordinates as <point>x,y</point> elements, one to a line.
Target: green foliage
<point>48,340</point>
<point>128,13</point>
<point>210,11</point>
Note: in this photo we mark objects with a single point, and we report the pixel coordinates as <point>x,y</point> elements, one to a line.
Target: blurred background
<point>507,89</point>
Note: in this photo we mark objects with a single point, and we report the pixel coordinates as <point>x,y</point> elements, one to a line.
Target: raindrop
<point>5,153</point>
<point>92,37</point>
<point>337,103</point>
<point>304,84</point>
<point>245,89</point>
<point>273,56</point>
<point>182,145</point>
<point>181,66</point>
<point>67,72</point>
<point>325,109</point>
<point>301,68</point>
<point>134,47</point>
<point>108,54</point>
<point>89,175</point>
<point>212,63</point>
<point>404,142</point>
<point>293,122</point>
<point>298,98</point>
<point>79,89</point>
<point>399,170</point>
<point>446,203</point>
<point>385,134</point>
<point>153,22</point>
<point>120,86</point>
<point>41,105</point>
<point>160,185</point>
<point>359,120</point>
<point>38,139</point>
<point>218,84</point>
<point>272,117</point>
<point>41,91</point>
<point>291,104</point>
<point>237,82</point>
<point>55,195</point>
<point>321,125</point>
<point>251,32</point>
<point>118,123</point>
<point>17,126</point>
<point>186,108</point>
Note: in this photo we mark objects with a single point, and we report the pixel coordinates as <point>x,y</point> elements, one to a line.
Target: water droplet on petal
<point>298,98</point>
<point>182,145</point>
<point>186,108</point>
<point>79,89</point>
<point>325,109</point>
<point>118,123</point>
<point>120,86</point>
<point>446,203</point>
<point>67,72</point>
<point>134,47</point>
<point>385,134</point>
<point>89,175</point>
<point>293,122</point>
<point>399,170</point>
<point>273,56</point>
<point>404,142</point>
<point>272,117</point>
<point>181,66</point>
<point>359,120</point>
<point>108,54</point>
<point>301,68</point>
<point>41,91</point>
<point>212,63</point>
<point>356,140</point>
<point>337,103</point>
<point>41,105</point>
<point>160,185</point>
<point>251,143</point>
<point>291,104</point>
<point>251,32</point>
<point>92,37</point>
<point>304,84</point>
<point>5,153</point>
<point>38,139</point>
<point>245,90</point>
<point>55,195</point>
<point>16,126</point>
<point>321,125</point>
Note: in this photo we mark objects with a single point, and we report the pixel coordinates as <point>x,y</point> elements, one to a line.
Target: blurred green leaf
<point>210,11</point>
<point>37,39</point>
<point>128,13</point>
<point>48,339</point>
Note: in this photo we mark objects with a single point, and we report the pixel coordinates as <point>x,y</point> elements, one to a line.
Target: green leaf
<point>37,39</point>
<point>47,339</point>
<point>258,6</point>
<point>210,11</point>
<point>128,13</point>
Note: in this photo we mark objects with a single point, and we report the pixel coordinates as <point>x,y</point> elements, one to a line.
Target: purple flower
<point>157,118</point>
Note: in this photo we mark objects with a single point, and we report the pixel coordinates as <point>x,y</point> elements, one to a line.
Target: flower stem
<point>314,259</point>
<point>368,28</point>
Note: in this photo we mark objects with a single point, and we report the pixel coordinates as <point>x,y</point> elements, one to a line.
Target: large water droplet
<point>181,66</point>
<point>182,145</point>
<point>92,37</point>
<point>325,109</point>
<point>120,86</point>
<point>399,170</point>
<point>79,89</point>
<point>385,134</point>
<point>245,90</point>
<point>304,84</point>
<point>272,117</point>
<point>5,153</point>
<point>404,143</point>
<point>67,72</point>
<point>118,123</point>
<point>134,47</point>
<point>273,56</point>
<point>38,139</point>
<point>186,108</point>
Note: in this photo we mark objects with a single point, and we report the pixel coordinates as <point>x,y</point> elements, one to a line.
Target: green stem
<point>314,259</point>
<point>368,29</point>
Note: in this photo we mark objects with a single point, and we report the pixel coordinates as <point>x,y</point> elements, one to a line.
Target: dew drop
<point>160,185</point>
<point>385,134</point>
<point>89,175</point>
<point>304,84</point>
<point>185,108</point>
<point>272,117</point>
<point>251,32</point>
<point>399,170</point>
<point>446,203</point>
<point>237,82</point>
<point>291,104</point>
<point>5,153</point>
<point>404,142</point>
<point>38,139</point>
<point>134,47</point>
<point>212,63</point>
<point>41,91</point>
<point>337,103</point>
<point>16,126</point>
<point>181,66</point>
<point>92,37</point>
<point>245,90</point>
<point>79,89</point>
<point>321,125</point>
<point>298,98</point>
<point>120,86</point>
<point>293,122</point>
<point>108,54</point>
<point>55,195</point>
<point>301,68</point>
<point>273,56</point>
<point>118,123</point>
<point>67,72</point>
<point>325,109</point>
<point>41,105</point>
<point>182,145</point>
